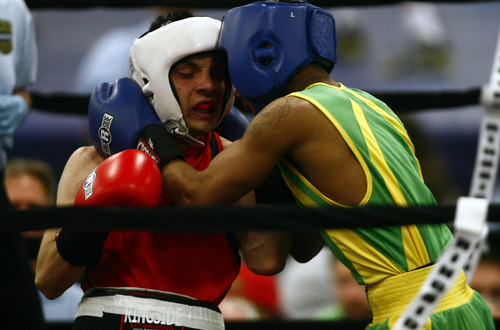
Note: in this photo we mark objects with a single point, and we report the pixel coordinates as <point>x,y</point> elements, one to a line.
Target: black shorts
<point>135,308</point>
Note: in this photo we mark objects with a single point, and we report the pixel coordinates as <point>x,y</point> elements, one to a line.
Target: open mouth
<point>204,107</point>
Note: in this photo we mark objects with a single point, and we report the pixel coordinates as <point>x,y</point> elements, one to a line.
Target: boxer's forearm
<point>53,274</point>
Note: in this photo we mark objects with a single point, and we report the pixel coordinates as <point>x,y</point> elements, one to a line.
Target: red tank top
<point>202,266</point>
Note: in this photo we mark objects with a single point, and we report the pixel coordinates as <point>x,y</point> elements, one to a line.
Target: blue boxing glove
<point>13,111</point>
<point>117,114</point>
<point>121,118</point>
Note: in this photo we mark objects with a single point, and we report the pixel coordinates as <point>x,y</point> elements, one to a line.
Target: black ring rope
<point>400,102</point>
<point>229,217</point>
<point>34,4</point>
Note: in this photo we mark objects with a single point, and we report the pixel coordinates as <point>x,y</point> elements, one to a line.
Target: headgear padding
<point>267,42</point>
<point>152,57</point>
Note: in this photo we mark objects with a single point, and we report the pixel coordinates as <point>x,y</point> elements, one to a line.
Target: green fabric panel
<point>402,165</point>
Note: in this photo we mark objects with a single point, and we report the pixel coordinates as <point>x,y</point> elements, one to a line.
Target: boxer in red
<point>144,279</point>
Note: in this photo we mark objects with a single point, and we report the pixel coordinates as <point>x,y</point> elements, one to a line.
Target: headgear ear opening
<point>267,42</point>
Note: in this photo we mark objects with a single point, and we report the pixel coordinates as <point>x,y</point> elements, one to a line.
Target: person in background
<point>31,183</point>
<point>305,289</point>
<point>252,297</point>
<point>351,297</point>
<point>18,70</point>
<point>486,278</point>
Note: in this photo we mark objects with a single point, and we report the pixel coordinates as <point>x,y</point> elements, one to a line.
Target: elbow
<point>46,286</point>
<point>46,290</point>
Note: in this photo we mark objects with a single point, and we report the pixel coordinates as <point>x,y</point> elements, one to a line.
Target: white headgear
<point>152,57</point>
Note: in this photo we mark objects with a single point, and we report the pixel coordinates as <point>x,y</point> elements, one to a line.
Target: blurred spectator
<point>306,289</point>
<point>21,174</point>
<point>352,303</point>
<point>18,69</point>
<point>426,46</point>
<point>31,183</point>
<point>238,308</point>
<point>251,297</point>
<point>486,278</point>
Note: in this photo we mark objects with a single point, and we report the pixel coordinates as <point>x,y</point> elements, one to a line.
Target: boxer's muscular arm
<point>278,131</point>
<point>54,274</point>
<point>242,166</point>
<point>264,252</point>
<point>237,170</point>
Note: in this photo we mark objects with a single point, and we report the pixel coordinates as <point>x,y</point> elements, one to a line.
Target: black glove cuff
<point>80,247</point>
<point>159,145</point>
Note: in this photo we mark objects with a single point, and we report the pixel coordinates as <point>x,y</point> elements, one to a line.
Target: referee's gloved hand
<point>13,111</point>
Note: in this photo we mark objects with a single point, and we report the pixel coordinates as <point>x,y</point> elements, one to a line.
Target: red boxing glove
<point>128,178</point>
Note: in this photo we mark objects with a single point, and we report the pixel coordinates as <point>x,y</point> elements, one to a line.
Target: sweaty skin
<point>288,128</point>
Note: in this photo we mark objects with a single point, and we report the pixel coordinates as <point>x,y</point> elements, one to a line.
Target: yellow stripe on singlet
<point>415,249</point>
<point>393,121</point>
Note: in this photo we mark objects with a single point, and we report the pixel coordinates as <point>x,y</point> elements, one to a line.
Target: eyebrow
<point>186,62</point>
<point>194,65</point>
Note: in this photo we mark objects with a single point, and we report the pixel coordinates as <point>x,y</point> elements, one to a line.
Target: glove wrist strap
<point>80,247</point>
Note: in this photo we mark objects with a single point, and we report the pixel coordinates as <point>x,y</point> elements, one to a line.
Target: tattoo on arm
<point>269,117</point>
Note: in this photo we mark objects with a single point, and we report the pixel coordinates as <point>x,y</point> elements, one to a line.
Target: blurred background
<point>400,47</point>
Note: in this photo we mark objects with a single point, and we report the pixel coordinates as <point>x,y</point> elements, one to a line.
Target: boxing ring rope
<point>469,218</point>
<point>227,217</point>
<point>404,101</point>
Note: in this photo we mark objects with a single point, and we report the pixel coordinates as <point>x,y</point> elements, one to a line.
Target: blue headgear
<point>267,42</point>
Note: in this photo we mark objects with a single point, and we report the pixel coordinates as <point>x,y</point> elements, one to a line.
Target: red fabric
<point>261,290</point>
<point>202,266</point>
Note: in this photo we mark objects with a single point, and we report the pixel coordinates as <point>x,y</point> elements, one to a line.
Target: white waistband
<point>153,310</point>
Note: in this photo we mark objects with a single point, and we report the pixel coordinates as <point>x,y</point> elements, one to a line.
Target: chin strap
<point>177,127</point>
<point>470,225</point>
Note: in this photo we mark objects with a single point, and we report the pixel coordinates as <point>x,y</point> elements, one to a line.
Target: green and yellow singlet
<point>381,144</point>
<point>389,260</point>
